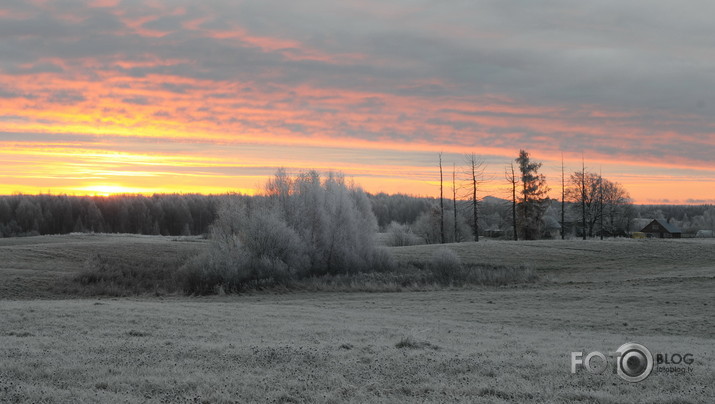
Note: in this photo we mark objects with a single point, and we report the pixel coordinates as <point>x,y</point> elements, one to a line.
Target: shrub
<point>305,226</point>
<point>270,249</point>
<point>445,264</point>
<point>400,235</point>
<point>447,268</point>
<point>117,276</point>
<point>412,343</point>
<point>216,269</point>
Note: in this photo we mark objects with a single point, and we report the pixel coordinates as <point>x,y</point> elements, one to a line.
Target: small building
<point>661,229</point>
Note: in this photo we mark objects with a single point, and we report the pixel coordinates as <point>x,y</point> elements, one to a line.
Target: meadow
<point>430,344</point>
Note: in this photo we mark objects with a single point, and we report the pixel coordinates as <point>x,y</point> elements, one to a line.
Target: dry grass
<point>126,265</point>
<point>328,348</point>
<point>484,344</point>
<point>45,266</point>
<point>578,261</point>
<point>127,276</point>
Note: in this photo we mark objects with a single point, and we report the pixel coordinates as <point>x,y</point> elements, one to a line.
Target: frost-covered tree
<point>428,226</point>
<point>594,198</point>
<point>333,219</point>
<point>532,199</point>
<point>305,225</point>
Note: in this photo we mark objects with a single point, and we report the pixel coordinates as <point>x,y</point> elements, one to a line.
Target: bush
<point>445,264</point>
<point>213,271</point>
<point>305,226</point>
<point>400,235</point>
<point>447,269</point>
<point>115,276</point>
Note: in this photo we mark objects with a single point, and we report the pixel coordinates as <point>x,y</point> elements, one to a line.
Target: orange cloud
<point>166,77</point>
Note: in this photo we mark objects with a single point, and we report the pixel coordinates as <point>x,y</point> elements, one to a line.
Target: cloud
<point>620,82</point>
<point>136,100</point>
<point>66,97</point>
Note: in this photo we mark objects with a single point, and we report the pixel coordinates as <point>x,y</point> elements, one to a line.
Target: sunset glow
<point>194,97</point>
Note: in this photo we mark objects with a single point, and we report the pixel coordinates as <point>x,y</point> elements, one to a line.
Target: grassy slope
<point>493,344</point>
<point>590,260</point>
<point>38,267</point>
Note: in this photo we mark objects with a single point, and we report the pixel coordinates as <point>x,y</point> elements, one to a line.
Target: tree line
<point>602,206</point>
<point>161,214</point>
<point>590,206</point>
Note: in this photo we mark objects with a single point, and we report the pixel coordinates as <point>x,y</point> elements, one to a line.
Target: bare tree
<point>600,202</point>
<point>454,200</point>
<point>584,190</point>
<point>617,208</point>
<point>513,180</point>
<point>563,199</point>
<point>603,203</point>
<point>583,196</point>
<point>441,200</point>
<point>427,226</point>
<point>475,171</point>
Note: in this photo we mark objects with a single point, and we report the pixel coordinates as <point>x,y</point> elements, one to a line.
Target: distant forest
<point>193,214</point>
<point>170,214</point>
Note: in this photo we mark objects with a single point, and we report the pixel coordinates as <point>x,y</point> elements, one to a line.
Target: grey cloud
<point>653,58</point>
<point>9,93</point>
<point>35,69</point>
<point>136,100</point>
<point>13,118</point>
<point>66,97</point>
<point>222,95</point>
<point>177,88</point>
<point>165,23</point>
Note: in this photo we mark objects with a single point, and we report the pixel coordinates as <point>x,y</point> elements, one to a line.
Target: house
<point>661,229</point>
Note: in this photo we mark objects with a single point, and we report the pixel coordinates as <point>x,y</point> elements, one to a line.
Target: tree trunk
<point>583,197</point>
<point>600,203</point>
<point>563,199</point>
<point>454,201</point>
<point>441,201</point>
<point>513,202</point>
<point>474,204</point>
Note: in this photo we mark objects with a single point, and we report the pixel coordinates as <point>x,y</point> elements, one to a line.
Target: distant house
<point>661,229</point>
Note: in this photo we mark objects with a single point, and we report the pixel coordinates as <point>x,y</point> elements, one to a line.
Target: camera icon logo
<point>634,362</point>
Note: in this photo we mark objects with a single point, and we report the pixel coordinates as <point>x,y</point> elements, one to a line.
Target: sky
<point>127,96</point>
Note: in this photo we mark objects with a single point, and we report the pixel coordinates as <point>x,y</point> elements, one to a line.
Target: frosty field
<point>475,344</point>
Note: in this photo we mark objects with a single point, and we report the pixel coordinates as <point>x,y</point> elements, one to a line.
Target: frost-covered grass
<point>578,260</point>
<point>50,266</point>
<point>489,345</point>
<point>434,344</point>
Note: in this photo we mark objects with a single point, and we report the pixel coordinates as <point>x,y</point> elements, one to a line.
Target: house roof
<point>671,228</point>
